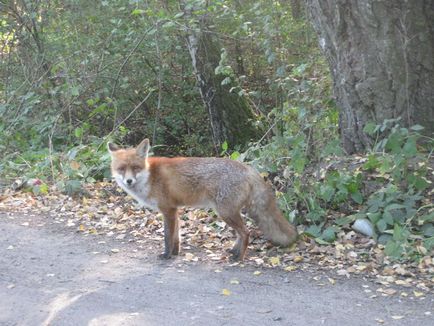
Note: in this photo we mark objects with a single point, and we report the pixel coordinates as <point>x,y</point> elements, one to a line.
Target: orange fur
<point>227,186</point>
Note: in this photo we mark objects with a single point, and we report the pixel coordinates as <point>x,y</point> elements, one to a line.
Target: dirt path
<point>50,275</point>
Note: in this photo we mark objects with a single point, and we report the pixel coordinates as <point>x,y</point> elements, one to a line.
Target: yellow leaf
<point>257,273</point>
<point>418,294</point>
<point>290,268</point>
<point>189,256</point>
<point>275,261</point>
<point>401,282</point>
<point>332,281</point>
<point>298,259</point>
<point>81,227</point>
<point>226,292</point>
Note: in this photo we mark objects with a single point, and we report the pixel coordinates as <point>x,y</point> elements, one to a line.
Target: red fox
<point>227,186</point>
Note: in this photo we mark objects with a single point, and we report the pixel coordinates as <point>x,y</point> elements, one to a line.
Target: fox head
<point>129,166</point>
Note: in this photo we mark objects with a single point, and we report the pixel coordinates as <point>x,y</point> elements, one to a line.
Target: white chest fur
<point>140,191</point>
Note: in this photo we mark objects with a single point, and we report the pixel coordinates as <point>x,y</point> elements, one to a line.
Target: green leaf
<point>399,233</point>
<point>347,219</point>
<point>298,162</point>
<point>410,148</point>
<point>235,155</point>
<point>393,249</point>
<point>394,143</point>
<point>372,163</point>
<point>226,81</point>
<point>419,182</point>
<point>225,146</point>
<point>428,230</point>
<point>74,91</point>
<point>370,128</point>
<point>381,226</point>
<point>137,12</point>
<point>329,234</point>
<point>313,231</point>
<point>326,192</point>
<point>43,188</point>
<point>387,217</point>
<point>78,132</point>
<point>357,197</point>
<point>417,128</point>
<point>393,206</point>
<point>321,241</point>
<point>429,243</point>
<point>316,215</point>
<point>374,217</point>
<point>72,187</point>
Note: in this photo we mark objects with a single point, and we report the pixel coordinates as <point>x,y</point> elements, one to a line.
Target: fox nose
<point>129,181</point>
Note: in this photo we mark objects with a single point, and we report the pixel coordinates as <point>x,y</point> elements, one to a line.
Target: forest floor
<point>52,275</point>
<point>92,260</point>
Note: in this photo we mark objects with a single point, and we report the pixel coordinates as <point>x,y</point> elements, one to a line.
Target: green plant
<point>401,222</point>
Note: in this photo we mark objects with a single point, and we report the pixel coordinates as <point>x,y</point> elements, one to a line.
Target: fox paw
<point>164,256</point>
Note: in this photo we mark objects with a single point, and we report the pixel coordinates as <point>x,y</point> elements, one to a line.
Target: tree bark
<point>381,55</point>
<point>296,9</point>
<point>230,115</point>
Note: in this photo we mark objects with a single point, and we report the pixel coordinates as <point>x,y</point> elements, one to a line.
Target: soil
<point>52,275</point>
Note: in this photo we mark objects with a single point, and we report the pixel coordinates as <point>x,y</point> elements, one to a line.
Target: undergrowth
<point>388,190</point>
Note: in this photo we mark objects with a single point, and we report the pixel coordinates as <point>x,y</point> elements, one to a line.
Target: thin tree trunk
<point>230,115</point>
<point>381,55</point>
<point>296,9</point>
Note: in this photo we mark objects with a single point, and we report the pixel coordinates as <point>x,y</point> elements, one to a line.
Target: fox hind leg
<point>235,221</point>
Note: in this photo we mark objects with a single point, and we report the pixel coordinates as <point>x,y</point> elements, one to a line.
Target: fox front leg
<point>171,233</point>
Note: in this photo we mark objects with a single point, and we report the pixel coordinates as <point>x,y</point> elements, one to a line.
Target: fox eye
<point>136,168</point>
<point>122,169</point>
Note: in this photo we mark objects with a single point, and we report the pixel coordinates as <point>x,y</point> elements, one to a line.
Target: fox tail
<point>264,211</point>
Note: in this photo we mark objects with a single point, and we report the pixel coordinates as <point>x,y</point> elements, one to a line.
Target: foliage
<point>385,188</point>
<point>75,74</point>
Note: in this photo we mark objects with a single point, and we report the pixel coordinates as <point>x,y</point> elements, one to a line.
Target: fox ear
<point>143,149</point>
<point>112,147</point>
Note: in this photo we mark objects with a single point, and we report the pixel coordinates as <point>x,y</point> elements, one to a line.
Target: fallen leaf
<point>275,261</point>
<point>388,291</point>
<point>397,317</point>
<point>290,268</point>
<point>257,273</point>
<point>226,292</point>
<point>298,259</point>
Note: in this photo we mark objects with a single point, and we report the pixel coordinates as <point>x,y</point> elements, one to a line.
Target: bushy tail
<point>264,211</point>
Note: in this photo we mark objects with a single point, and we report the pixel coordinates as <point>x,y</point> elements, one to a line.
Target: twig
<point>126,118</point>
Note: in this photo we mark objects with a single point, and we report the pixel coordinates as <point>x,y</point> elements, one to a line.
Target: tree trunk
<point>296,9</point>
<point>381,55</point>
<point>230,115</point>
